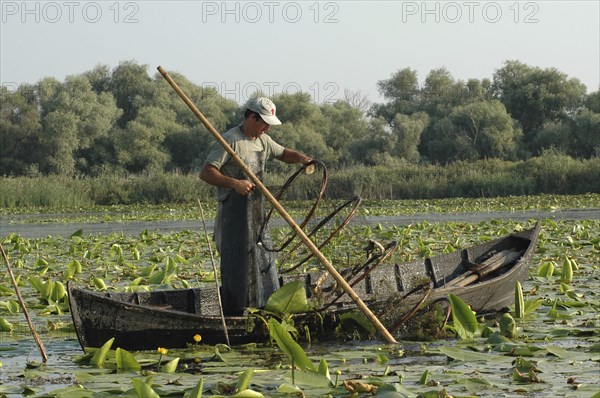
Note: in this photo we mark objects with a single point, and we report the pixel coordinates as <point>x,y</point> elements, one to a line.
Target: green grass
<point>551,174</point>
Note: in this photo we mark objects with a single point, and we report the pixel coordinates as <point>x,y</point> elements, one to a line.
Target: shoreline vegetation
<point>549,174</point>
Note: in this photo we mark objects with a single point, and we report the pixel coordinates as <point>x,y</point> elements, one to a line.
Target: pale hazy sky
<point>320,47</point>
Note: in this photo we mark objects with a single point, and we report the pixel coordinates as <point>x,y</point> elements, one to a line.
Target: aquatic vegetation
<point>552,342</point>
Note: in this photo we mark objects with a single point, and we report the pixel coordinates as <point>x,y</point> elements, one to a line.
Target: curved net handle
<point>304,169</point>
<point>356,201</point>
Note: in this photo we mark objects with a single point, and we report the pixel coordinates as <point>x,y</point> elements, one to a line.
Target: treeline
<point>123,122</point>
<point>550,173</point>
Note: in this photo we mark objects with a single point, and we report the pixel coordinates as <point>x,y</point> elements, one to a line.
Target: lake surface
<point>571,336</point>
<point>26,225</point>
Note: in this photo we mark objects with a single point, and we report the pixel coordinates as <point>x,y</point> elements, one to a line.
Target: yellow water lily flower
<point>162,351</point>
<point>197,338</point>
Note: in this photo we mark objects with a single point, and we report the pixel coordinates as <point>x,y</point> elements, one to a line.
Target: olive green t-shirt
<point>254,153</point>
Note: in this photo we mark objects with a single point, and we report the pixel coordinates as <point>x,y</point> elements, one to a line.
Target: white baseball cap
<point>265,108</point>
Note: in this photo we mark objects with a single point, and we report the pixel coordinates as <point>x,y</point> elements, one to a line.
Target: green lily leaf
<point>546,269</point>
<point>158,278</point>
<point>5,326</point>
<point>424,377</point>
<point>5,389</point>
<point>170,366</point>
<point>58,291</point>
<point>99,283</point>
<point>288,299</point>
<point>13,307</point>
<point>567,271</point>
<point>287,344</point>
<point>519,302</point>
<point>143,390</point>
<point>136,254</point>
<point>532,305</point>
<point>100,354</point>
<point>146,272</point>
<point>310,378</point>
<point>197,390</point>
<point>463,318</point>
<point>181,260</point>
<point>6,290</point>
<point>289,388</point>
<point>508,326</point>
<point>248,394</point>
<point>244,380</point>
<point>562,353</point>
<point>39,285</point>
<point>126,361</point>
<point>218,352</point>
<point>476,384</point>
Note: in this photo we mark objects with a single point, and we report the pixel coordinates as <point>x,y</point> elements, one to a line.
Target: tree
<point>139,146</point>
<point>586,134</point>
<point>189,143</point>
<point>535,96</point>
<point>187,148</point>
<point>299,108</point>
<point>99,78</point>
<point>303,128</point>
<point>357,100</point>
<point>304,138</point>
<point>553,135</point>
<point>592,102</point>
<point>478,90</point>
<point>344,124</point>
<point>403,92</point>
<point>132,88</point>
<point>75,119</point>
<point>408,130</point>
<point>220,111</point>
<point>440,93</point>
<point>478,130</point>
<point>20,131</point>
<point>376,145</point>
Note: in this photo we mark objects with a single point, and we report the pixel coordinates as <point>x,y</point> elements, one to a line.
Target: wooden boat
<point>484,276</point>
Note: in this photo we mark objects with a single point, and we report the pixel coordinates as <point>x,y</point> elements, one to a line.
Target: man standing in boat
<point>248,271</point>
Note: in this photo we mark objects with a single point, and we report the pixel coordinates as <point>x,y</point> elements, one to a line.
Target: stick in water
<point>31,327</point>
<point>212,260</point>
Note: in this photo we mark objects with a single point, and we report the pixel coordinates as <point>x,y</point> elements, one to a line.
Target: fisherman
<point>248,271</point>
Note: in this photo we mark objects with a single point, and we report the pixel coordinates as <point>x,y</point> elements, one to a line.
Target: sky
<point>321,47</point>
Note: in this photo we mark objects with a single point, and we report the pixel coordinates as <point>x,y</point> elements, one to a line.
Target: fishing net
<point>323,221</point>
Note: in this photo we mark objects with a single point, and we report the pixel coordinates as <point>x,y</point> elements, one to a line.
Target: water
<point>25,225</point>
<point>21,358</point>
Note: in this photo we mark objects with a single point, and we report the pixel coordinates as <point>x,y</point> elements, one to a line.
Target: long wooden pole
<point>31,327</point>
<point>311,246</point>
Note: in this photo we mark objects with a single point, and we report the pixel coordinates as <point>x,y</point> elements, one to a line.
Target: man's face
<point>257,126</point>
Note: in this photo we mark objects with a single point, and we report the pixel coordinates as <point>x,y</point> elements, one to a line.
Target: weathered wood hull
<point>170,318</point>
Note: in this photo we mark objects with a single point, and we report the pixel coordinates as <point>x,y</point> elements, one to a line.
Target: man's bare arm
<point>291,156</point>
<point>213,176</point>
